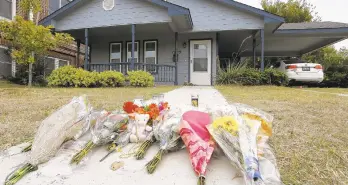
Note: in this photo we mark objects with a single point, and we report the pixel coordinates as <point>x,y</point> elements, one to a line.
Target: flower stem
<point>27,149</point>
<point>19,174</point>
<point>152,165</point>
<point>143,149</point>
<point>201,180</point>
<point>83,153</point>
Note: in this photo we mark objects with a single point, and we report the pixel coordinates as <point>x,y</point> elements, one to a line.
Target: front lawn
<point>310,131</point>
<point>22,109</point>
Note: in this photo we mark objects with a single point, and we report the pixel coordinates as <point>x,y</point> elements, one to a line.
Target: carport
<point>289,39</point>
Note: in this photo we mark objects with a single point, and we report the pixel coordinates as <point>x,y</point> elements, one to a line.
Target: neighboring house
<point>182,41</point>
<point>58,57</point>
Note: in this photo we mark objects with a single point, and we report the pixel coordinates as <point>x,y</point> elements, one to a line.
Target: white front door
<point>200,62</point>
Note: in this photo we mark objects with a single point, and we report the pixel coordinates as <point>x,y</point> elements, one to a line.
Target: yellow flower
<point>266,128</point>
<point>227,123</point>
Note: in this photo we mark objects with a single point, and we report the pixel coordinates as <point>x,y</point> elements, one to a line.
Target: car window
<point>276,65</point>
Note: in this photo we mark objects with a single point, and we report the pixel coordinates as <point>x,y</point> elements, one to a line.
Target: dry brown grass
<point>331,90</point>
<point>22,109</point>
<point>310,131</point>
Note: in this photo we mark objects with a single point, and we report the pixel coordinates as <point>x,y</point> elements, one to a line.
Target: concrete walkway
<point>174,169</point>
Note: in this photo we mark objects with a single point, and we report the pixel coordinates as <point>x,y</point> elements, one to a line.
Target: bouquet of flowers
<point>266,120</point>
<point>166,132</point>
<point>146,118</point>
<point>106,129</point>
<point>237,137</point>
<point>69,121</point>
<point>198,141</point>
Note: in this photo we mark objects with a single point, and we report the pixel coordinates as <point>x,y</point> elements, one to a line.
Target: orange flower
<point>129,107</point>
<point>152,106</point>
<point>165,105</point>
<point>154,112</point>
<point>140,110</point>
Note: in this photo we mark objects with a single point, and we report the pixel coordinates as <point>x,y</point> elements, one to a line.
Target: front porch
<point>155,48</point>
<point>147,47</point>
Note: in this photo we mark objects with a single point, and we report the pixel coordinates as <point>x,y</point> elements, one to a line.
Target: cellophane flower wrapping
<point>167,130</point>
<point>157,110</point>
<point>166,133</point>
<point>242,132</point>
<point>238,141</point>
<point>268,164</point>
<point>197,139</point>
<point>71,120</point>
<point>265,131</point>
<point>108,126</point>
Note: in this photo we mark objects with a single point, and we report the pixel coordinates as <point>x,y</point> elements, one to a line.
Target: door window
<point>200,60</point>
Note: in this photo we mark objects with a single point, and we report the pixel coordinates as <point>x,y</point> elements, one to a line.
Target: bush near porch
<point>250,76</point>
<point>69,76</point>
<point>140,79</point>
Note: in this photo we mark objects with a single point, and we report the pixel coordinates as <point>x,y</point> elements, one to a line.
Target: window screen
<point>136,53</point>
<point>115,52</point>
<point>200,60</point>
<point>150,55</point>
<point>116,57</point>
<point>49,66</point>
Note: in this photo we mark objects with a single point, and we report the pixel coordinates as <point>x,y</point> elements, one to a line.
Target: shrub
<point>83,78</point>
<point>242,75</point>
<point>140,79</point>
<point>274,77</point>
<point>63,77</point>
<point>69,76</point>
<point>111,79</point>
<point>336,76</point>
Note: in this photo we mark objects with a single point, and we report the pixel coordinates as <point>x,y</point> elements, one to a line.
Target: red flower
<point>129,107</point>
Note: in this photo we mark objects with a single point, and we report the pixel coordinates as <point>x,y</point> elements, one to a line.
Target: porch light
<point>184,45</point>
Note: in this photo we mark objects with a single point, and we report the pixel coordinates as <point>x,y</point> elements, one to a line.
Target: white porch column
<point>14,8</point>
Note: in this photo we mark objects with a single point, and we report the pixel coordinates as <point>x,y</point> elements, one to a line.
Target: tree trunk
<point>30,75</point>
<point>30,80</point>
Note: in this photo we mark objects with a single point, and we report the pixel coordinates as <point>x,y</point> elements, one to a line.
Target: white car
<point>300,71</point>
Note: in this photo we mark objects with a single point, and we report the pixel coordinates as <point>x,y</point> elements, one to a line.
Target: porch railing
<point>161,73</point>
